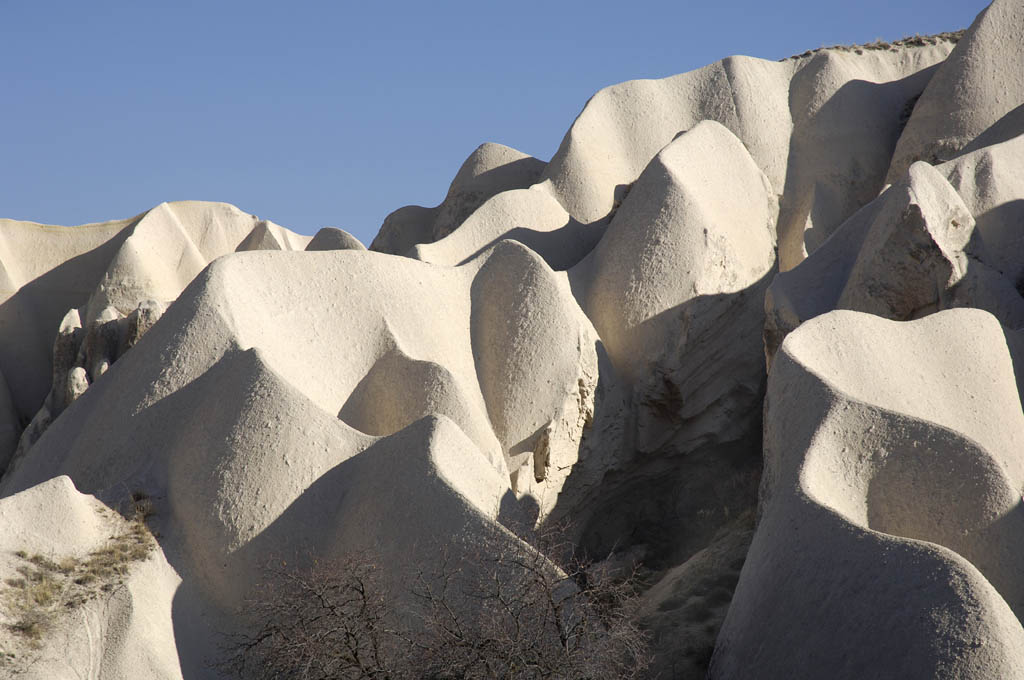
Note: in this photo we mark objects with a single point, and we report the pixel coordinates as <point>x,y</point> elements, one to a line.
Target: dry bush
<point>45,589</point>
<point>505,611</point>
<point>528,609</point>
<point>329,620</point>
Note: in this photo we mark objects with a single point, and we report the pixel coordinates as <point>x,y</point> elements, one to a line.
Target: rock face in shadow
<point>744,329</point>
<point>81,356</point>
<point>682,266</point>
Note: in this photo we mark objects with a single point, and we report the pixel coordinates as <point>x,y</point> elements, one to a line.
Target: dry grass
<point>108,564</point>
<point>46,587</point>
<point>882,45</point>
<point>33,597</point>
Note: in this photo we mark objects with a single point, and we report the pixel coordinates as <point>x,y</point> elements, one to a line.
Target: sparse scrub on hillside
<point>46,587</point>
<point>507,612</point>
<point>884,45</point>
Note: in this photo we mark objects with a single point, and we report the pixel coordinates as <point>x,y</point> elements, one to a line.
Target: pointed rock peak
<point>979,83</point>
<point>260,238</point>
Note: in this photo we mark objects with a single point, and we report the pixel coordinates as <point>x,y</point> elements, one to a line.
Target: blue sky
<point>315,113</point>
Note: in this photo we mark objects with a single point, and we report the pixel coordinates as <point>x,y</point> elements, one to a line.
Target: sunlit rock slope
<point>755,328</point>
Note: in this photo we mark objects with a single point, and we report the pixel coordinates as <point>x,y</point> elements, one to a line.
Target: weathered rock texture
<point>115,266</point>
<point>590,339</point>
<point>891,520</point>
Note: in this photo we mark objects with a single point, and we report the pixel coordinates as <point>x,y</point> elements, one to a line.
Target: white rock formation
<point>890,520</point>
<point>116,628</point>
<point>822,128</point>
<point>580,340</point>
<point>941,237</point>
<point>530,216</point>
<point>489,170</point>
<point>48,270</point>
<point>680,237</point>
<point>848,111</point>
<point>977,85</point>
<point>332,238</point>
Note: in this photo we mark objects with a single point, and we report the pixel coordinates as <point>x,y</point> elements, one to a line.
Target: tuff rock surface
<point>756,327</point>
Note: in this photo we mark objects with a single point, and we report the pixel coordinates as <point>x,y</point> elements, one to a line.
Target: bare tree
<point>331,620</point>
<point>528,610</point>
<point>498,608</point>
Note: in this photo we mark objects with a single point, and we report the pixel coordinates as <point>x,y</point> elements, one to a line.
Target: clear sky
<point>335,113</point>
